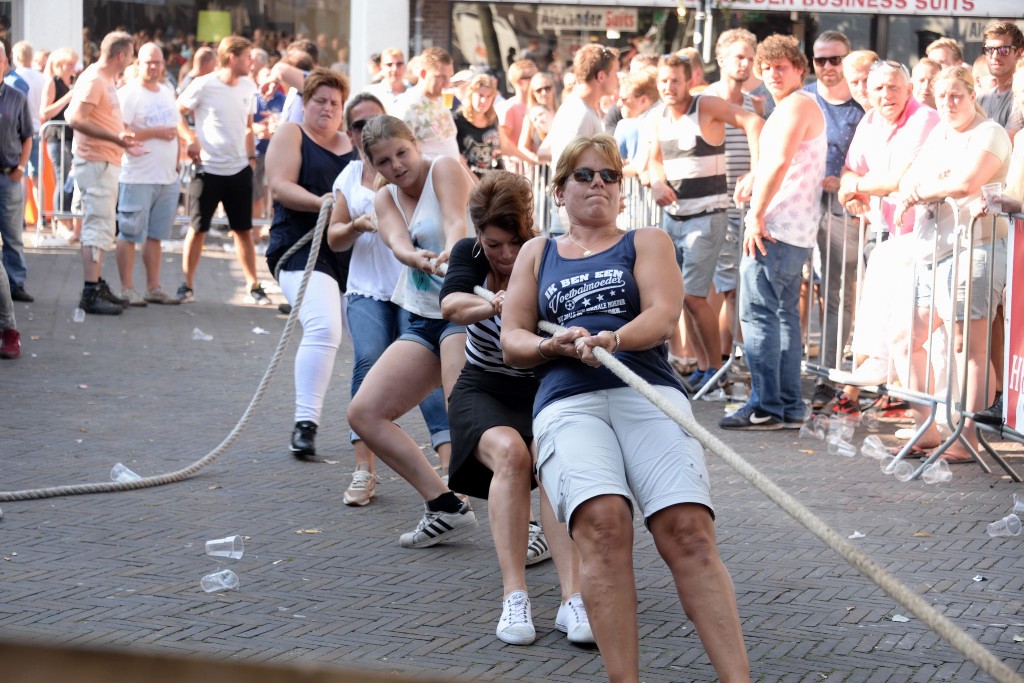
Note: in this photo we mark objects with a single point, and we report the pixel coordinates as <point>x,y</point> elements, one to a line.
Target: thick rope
<point>929,616</point>
<point>209,458</point>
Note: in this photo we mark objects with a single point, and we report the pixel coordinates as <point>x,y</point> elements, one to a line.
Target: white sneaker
<point>440,527</point>
<point>572,621</point>
<point>132,297</point>
<point>537,549</point>
<point>516,624</point>
<point>362,488</point>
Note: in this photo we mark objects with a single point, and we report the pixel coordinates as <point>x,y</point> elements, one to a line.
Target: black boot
<point>304,439</point>
<point>993,415</point>
<point>94,302</point>
<point>109,295</point>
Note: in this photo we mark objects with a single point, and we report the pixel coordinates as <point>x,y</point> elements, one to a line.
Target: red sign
<point>1013,309</point>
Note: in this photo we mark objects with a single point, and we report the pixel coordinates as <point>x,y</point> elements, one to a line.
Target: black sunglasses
<point>835,60</point>
<point>358,126</point>
<point>1001,50</point>
<point>586,175</point>
<point>546,88</point>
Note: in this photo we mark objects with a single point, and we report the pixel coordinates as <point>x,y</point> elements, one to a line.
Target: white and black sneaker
<point>440,527</point>
<point>751,419</point>
<point>516,624</point>
<point>537,549</point>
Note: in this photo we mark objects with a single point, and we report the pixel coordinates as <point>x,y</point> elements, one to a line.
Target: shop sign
<point>947,8</point>
<point>572,18</point>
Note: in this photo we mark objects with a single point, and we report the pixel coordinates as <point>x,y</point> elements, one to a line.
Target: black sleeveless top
<point>60,89</point>
<point>319,169</point>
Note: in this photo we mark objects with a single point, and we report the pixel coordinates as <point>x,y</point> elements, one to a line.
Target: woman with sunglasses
<point>421,214</point>
<point>540,111</point>
<point>599,443</point>
<point>302,162</point>
<point>373,320</point>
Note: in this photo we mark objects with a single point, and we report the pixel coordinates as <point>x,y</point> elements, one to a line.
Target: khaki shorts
<point>616,442</point>
<point>96,184</point>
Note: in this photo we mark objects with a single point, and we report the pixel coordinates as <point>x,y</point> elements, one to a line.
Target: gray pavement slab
<point>324,583</point>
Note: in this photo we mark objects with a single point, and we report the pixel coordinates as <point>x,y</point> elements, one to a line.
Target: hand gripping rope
<point>943,627</point>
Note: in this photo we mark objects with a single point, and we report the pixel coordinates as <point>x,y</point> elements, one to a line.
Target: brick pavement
<point>123,569</point>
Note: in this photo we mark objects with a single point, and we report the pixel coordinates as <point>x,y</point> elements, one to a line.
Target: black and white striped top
<point>693,168</point>
<point>467,268</point>
<point>737,151</point>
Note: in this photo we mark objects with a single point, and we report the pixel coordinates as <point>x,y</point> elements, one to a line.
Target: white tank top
<point>793,214</point>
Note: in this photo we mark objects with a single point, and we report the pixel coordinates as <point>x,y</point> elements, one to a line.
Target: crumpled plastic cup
<point>937,473</point>
<point>121,473</point>
<point>1007,526</point>
<point>224,580</point>
<point>840,428</point>
<point>841,447</point>
<point>869,421</point>
<point>199,335</point>
<point>230,546</point>
<point>872,447</point>
<point>1018,504</point>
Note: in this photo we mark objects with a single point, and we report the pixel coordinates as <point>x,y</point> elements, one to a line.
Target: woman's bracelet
<point>617,342</point>
<point>540,351</point>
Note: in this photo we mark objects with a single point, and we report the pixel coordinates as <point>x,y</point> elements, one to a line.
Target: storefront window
<point>272,22</point>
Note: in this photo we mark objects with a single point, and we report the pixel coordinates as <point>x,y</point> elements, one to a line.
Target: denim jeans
<point>770,320</point>
<point>373,325</point>
<point>12,225</point>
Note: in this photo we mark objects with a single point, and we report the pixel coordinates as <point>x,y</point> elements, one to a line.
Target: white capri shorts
<point>616,442</point>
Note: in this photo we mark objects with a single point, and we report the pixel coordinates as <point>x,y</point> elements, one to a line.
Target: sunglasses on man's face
<point>1001,50</point>
<point>586,175</point>
<point>835,60</point>
<point>357,126</point>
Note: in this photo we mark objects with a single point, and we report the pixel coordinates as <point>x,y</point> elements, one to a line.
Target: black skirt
<point>481,400</point>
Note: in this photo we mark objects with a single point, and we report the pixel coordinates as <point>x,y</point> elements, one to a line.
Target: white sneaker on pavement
<point>516,624</point>
<point>132,297</point>
<point>440,527</point>
<point>572,621</point>
<point>362,488</point>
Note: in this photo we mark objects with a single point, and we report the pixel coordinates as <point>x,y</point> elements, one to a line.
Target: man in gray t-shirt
<point>1004,44</point>
<point>15,148</point>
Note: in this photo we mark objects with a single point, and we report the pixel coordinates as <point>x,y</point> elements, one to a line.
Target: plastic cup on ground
<point>991,192</point>
<point>937,473</point>
<point>1018,504</point>
<point>121,473</point>
<point>872,447</point>
<point>902,470</point>
<point>815,428</point>
<point>224,580</point>
<point>1007,526</point>
<point>869,421</point>
<point>840,428</point>
<point>841,447</point>
<point>78,315</point>
<point>230,546</point>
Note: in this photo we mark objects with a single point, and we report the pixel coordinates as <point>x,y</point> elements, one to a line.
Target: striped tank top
<point>694,169</point>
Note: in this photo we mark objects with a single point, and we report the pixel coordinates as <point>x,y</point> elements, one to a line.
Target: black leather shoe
<point>304,439</point>
<point>993,415</point>
<point>19,294</point>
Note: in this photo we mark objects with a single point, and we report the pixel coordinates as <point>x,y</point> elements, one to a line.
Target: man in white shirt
<point>21,56</point>
<point>423,110</point>
<point>224,150</point>
<point>597,75</point>
<point>148,192</point>
<point>393,85</point>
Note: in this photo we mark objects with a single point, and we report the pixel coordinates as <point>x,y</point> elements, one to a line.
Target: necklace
<point>588,252</point>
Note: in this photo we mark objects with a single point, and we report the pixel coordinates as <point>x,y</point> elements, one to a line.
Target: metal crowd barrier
<point>180,219</point>
<point>937,394</point>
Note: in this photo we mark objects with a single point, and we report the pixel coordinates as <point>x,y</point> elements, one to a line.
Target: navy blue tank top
<point>598,293</point>
<point>317,173</point>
